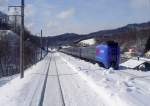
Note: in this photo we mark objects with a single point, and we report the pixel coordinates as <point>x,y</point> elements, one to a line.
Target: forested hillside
<point>9,47</point>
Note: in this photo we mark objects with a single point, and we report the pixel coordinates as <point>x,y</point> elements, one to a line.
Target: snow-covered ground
<point>75,90</point>
<point>124,87</point>
<point>22,92</point>
<point>82,83</point>
<point>27,91</point>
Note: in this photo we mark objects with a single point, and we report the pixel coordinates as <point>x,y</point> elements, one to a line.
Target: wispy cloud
<point>3,2</point>
<point>3,5</point>
<point>29,10</point>
<point>30,26</point>
<point>61,16</point>
<point>66,14</point>
<point>140,4</point>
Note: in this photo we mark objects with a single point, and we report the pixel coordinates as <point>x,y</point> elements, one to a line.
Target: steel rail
<point>60,87</point>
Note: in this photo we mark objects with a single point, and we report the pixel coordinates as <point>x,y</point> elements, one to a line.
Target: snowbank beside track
<point>26,91</point>
<point>114,87</point>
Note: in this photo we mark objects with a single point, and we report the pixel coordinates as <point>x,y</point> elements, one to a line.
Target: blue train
<point>106,54</point>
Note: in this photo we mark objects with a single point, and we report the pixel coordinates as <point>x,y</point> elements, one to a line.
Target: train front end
<point>108,54</point>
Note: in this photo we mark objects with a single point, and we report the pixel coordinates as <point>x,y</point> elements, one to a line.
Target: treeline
<point>9,48</point>
<point>140,39</point>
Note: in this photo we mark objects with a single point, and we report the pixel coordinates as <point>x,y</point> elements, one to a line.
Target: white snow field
<point>75,91</point>
<point>21,92</point>
<point>124,87</point>
<point>74,82</point>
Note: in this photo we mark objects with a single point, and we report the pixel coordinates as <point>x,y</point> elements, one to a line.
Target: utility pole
<point>21,66</point>
<point>47,44</point>
<point>15,23</point>
<point>41,42</point>
<point>1,22</point>
<point>22,40</point>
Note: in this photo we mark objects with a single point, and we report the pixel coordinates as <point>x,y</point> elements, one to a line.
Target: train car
<point>106,54</point>
<point>88,53</point>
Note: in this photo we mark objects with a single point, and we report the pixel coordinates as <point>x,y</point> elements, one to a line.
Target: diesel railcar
<point>106,54</point>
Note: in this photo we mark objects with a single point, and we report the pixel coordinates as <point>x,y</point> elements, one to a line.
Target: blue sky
<point>81,16</point>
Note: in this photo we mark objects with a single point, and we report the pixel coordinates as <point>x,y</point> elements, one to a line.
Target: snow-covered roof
<point>146,59</point>
<point>132,63</point>
<point>88,41</point>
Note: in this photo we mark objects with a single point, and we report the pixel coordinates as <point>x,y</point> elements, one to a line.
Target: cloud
<point>3,2</point>
<point>54,27</point>
<point>30,26</point>
<point>29,10</point>
<point>52,24</point>
<point>140,4</point>
<point>140,10</point>
<point>53,21</point>
<point>3,5</point>
<point>57,27</point>
<point>66,14</point>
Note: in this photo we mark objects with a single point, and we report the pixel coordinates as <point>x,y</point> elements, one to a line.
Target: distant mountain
<point>127,33</point>
<point>64,39</point>
<point>132,35</point>
<point>127,28</point>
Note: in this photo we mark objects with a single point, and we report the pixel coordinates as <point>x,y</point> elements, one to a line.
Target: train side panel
<point>75,51</point>
<point>88,53</point>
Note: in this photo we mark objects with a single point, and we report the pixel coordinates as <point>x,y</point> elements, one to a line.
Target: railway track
<point>45,82</point>
<point>59,83</point>
<point>41,83</point>
<point>52,78</point>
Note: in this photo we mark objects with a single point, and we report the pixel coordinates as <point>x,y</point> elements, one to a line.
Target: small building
<point>132,50</point>
<point>141,64</point>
